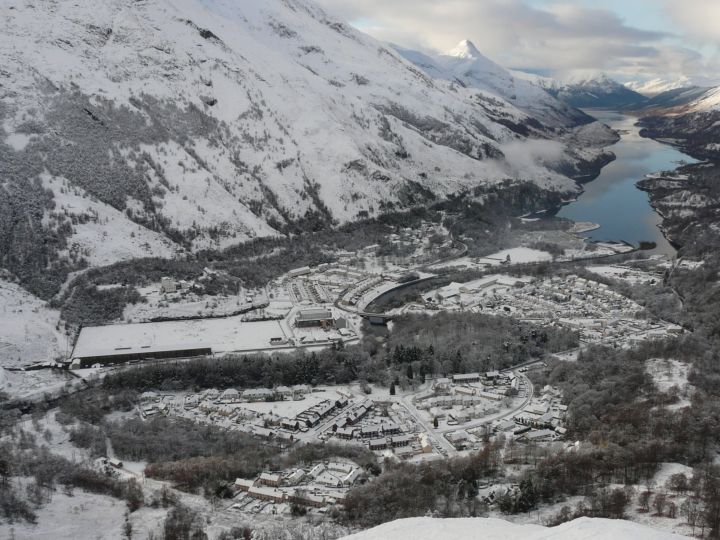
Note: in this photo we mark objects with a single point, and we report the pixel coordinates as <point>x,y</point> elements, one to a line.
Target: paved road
<point>499,416</point>
<point>439,434</point>
<point>429,428</point>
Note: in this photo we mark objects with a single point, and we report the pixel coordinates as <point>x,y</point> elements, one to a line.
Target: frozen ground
<point>188,304</point>
<point>32,384</point>
<point>27,328</point>
<point>77,517</point>
<point>517,255</point>
<point>668,469</point>
<point>667,374</point>
<point>498,529</point>
<point>624,273</point>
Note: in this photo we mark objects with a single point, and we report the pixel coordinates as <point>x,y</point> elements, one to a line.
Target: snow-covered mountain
<point>471,69</point>
<point>498,529</point>
<point>595,90</point>
<point>653,87</point>
<point>691,124</point>
<point>656,86</point>
<point>674,98</point>
<point>134,127</point>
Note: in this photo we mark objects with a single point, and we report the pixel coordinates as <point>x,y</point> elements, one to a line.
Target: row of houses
<point>233,395</point>
<point>459,400</point>
<point>343,425</point>
<point>398,441</point>
<point>314,415</point>
<point>295,495</point>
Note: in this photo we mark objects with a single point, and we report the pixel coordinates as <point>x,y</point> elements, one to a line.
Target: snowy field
<point>624,273</point>
<point>80,516</point>
<point>667,374</point>
<point>189,304</point>
<point>28,335</point>
<point>27,328</point>
<point>497,529</point>
<point>517,255</point>
<point>30,384</point>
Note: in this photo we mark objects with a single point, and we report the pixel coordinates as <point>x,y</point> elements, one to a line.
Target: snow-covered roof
<point>220,335</point>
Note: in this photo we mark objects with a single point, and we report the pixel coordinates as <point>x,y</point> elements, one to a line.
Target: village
<point>315,307</point>
<point>444,416</point>
<point>597,312</point>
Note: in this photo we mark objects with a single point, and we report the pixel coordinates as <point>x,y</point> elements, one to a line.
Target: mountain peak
<point>465,49</point>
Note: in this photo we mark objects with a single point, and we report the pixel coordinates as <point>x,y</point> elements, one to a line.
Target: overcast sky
<point>629,39</point>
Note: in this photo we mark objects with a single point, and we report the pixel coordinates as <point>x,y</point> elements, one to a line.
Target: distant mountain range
<point>596,92</point>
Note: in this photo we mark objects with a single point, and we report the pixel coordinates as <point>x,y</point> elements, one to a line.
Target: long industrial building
<point>173,339</point>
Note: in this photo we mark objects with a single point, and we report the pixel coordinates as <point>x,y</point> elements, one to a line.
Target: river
<point>612,200</point>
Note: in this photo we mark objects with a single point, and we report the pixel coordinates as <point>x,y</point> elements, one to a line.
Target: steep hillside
<point>156,127</point>
<point>672,98</point>
<point>498,529</point>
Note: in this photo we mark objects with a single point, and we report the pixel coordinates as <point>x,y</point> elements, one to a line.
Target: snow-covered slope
<point>693,125</point>
<point>708,102</point>
<point>192,124</point>
<point>470,68</point>
<point>657,86</point>
<point>29,331</point>
<point>498,529</point>
<point>674,98</point>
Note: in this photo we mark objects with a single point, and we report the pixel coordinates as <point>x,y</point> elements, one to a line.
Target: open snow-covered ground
<point>498,529</point>
<point>28,331</point>
<point>28,334</point>
<point>624,273</point>
<point>80,516</point>
<point>669,373</point>
<point>518,255</point>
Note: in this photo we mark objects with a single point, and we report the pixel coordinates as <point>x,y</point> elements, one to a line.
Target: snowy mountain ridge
<point>596,90</point>
<point>467,66</point>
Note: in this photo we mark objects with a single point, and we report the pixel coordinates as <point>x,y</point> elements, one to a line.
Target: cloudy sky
<point>630,39</point>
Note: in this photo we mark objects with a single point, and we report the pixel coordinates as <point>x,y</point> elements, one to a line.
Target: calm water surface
<point>612,200</point>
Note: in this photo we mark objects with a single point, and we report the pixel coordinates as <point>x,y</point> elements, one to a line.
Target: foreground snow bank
<point>498,529</point>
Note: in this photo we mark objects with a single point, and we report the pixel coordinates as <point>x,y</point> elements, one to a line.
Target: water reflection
<point>612,200</point>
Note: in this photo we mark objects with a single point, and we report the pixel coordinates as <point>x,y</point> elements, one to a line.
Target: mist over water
<point>612,200</point>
